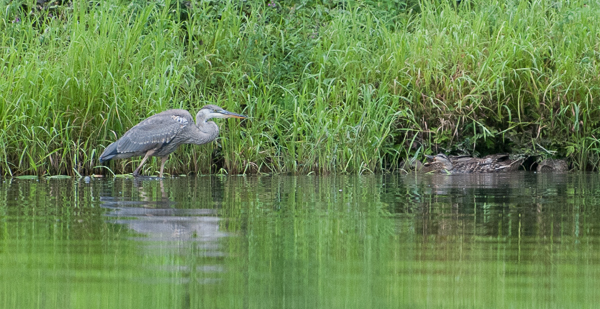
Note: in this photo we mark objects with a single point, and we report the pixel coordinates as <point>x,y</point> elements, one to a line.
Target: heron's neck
<point>207,131</point>
<point>200,119</point>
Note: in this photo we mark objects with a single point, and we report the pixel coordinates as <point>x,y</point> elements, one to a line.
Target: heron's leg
<point>162,166</point>
<point>137,170</point>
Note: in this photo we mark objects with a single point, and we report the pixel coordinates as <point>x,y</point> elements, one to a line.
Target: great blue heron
<point>161,134</point>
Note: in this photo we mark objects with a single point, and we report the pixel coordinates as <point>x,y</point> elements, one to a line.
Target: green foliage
<point>330,86</point>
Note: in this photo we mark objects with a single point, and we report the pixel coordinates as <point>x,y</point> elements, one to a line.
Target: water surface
<point>522,240</point>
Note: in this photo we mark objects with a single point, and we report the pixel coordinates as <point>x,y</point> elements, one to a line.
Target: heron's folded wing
<point>152,133</point>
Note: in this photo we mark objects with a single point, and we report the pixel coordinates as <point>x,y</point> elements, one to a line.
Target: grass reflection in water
<point>519,240</point>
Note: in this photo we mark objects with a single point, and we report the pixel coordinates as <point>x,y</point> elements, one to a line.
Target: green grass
<point>344,87</point>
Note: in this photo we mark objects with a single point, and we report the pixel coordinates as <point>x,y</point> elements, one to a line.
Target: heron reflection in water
<point>161,134</point>
<point>163,220</point>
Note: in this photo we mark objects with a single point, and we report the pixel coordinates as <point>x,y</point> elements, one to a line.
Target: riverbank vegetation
<point>340,86</point>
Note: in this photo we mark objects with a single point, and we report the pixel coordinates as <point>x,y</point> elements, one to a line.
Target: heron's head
<point>213,111</point>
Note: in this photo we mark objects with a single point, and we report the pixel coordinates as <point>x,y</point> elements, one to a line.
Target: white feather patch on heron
<point>179,119</point>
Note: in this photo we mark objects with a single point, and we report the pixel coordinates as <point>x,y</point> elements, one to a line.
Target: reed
<point>329,87</point>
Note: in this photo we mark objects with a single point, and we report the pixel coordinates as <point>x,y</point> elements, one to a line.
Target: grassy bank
<point>329,87</point>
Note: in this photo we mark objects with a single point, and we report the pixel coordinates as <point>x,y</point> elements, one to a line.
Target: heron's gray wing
<point>154,131</point>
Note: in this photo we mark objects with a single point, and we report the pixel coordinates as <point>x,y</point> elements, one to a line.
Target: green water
<point>394,241</point>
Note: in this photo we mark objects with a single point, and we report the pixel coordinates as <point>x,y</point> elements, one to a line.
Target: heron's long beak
<point>229,114</point>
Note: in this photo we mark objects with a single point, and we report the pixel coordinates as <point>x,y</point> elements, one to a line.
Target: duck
<point>552,165</point>
<point>496,163</point>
